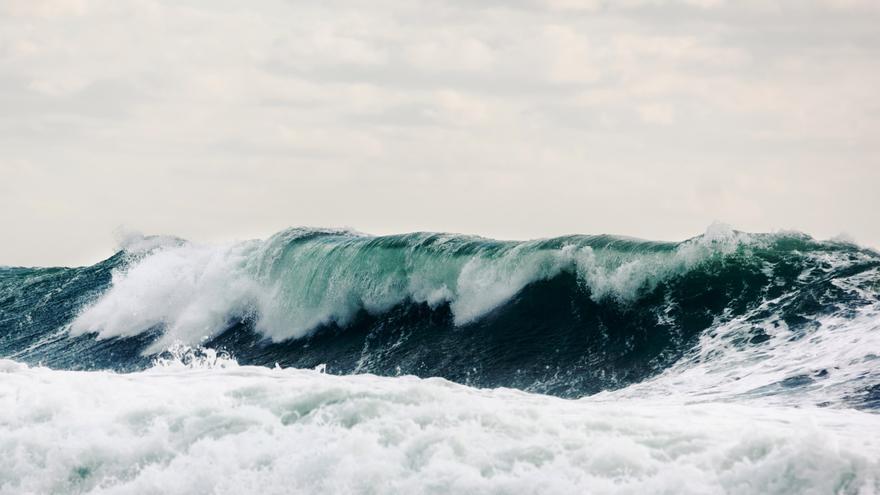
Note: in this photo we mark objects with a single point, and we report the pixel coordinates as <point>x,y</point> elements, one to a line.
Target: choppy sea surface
<point>336,362</point>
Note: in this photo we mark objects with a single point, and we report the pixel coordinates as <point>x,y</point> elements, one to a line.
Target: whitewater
<point>330,361</point>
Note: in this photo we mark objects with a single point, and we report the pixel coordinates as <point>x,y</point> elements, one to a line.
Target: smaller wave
<point>831,362</point>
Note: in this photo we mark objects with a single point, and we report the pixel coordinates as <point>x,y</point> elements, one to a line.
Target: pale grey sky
<point>217,119</point>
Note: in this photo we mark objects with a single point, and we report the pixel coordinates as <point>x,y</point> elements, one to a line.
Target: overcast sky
<point>217,120</point>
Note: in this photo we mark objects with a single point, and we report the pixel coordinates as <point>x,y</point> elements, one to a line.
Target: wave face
<point>727,315</point>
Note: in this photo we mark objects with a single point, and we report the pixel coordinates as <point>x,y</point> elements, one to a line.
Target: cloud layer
<point>526,118</point>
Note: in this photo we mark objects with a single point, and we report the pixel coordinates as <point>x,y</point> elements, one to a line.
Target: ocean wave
<point>301,279</point>
<point>722,316</point>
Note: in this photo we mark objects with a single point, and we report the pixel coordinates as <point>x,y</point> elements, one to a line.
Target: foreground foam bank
<point>259,430</point>
<point>728,363</point>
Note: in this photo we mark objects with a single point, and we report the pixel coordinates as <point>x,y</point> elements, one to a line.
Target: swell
<point>569,316</point>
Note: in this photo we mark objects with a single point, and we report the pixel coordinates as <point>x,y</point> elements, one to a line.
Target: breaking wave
<point>723,315</point>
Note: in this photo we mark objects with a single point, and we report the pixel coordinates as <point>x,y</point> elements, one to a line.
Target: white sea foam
<point>268,431</point>
<point>191,290</point>
<point>195,291</point>
<point>830,363</point>
<point>180,356</point>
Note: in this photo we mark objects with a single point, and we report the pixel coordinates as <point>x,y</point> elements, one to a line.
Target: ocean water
<point>327,361</point>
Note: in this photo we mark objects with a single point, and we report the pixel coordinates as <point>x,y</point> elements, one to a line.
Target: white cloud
<point>657,113</point>
<point>214,119</point>
<point>44,8</point>
<point>451,52</point>
<point>570,57</point>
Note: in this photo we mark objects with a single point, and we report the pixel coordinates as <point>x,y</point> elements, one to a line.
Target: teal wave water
<point>331,361</point>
